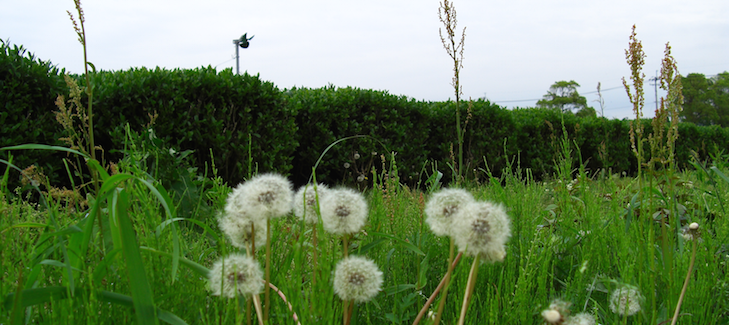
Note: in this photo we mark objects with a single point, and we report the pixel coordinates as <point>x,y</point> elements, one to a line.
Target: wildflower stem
<point>267,289</point>
<point>435,293</point>
<point>685,282</point>
<point>469,289</point>
<point>350,310</point>
<point>257,305</point>
<point>345,309</point>
<point>447,279</point>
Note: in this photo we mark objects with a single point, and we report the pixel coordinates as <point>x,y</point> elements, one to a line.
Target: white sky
<point>514,49</point>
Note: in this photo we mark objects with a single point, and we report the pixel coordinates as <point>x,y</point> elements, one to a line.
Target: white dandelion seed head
<point>580,319</point>
<point>626,300</point>
<point>357,278</point>
<point>241,228</point>
<point>561,306</point>
<point>694,226</point>
<point>441,208</point>
<point>235,274</point>
<point>343,211</point>
<point>551,316</point>
<point>264,196</point>
<point>305,202</point>
<point>482,228</point>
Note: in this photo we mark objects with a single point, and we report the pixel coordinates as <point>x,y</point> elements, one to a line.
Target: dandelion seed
<point>357,278</point>
<point>241,229</point>
<point>235,274</point>
<point>305,202</point>
<point>343,211</point>
<point>441,207</point>
<point>551,316</point>
<point>626,300</point>
<point>561,306</point>
<point>482,228</point>
<point>580,319</point>
<point>264,196</point>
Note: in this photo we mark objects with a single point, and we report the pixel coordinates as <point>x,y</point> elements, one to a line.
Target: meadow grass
<point>576,240</point>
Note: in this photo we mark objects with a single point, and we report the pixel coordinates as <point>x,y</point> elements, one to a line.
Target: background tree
<point>564,96</point>
<point>706,100</point>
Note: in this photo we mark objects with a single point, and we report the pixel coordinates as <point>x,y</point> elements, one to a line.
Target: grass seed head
<point>235,274</point>
<point>357,278</point>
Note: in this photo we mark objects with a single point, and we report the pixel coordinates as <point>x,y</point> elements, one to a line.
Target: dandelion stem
<point>685,283</point>
<point>435,293</point>
<point>350,310</point>
<point>267,289</point>
<point>469,289</point>
<point>447,279</point>
<point>257,304</point>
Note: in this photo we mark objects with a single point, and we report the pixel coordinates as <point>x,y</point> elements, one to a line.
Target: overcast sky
<point>514,50</point>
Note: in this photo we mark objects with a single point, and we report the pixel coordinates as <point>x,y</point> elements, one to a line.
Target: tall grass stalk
<point>447,16</point>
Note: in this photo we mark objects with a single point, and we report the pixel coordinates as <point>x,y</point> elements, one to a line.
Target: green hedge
<point>203,110</point>
<point>200,110</point>
<point>390,123</point>
<point>28,90</point>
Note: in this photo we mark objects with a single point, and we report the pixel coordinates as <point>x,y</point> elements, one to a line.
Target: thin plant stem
<point>435,293</point>
<point>345,309</point>
<point>447,279</point>
<point>257,305</point>
<point>469,289</point>
<point>350,310</point>
<point>267,288</point>
<point>685,282</point>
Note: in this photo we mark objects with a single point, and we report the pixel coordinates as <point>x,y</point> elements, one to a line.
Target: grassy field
<point>575,239</point>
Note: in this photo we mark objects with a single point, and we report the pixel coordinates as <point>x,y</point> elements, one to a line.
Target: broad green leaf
<point>144,306</point>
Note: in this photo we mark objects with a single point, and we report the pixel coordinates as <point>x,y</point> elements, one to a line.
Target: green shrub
<point>392,124</point>
<point>28,90</point>
<point>200,110</point>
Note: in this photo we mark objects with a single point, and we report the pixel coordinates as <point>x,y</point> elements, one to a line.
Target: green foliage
<point>706,100</point>
<point>563,95</point>
<point>28,89</point>
<point>199,110</point>
<point>390,123</point>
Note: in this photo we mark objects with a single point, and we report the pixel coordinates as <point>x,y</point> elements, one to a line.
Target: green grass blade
<point>202,225</point>
<point>195,267</point>
<point>32,146</point>
<point>401,242</point>
<point>125,300</point>
<point>31,297</point>
<point>144,306</point>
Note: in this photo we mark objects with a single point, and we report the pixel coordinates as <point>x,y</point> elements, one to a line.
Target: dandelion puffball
<point>626,300</point>
<point>482,228</point>
<point>551,316</point>
<point>357,278</point>
<point>264,196</point>
<point>235,274</point>
<point>305,202</point>
<point>343,211</point>
<point>240,229</point>
<point>580,319</point>
<point>441,207</point>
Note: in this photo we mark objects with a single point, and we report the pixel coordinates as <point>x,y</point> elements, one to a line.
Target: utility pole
<point>242,42</point>
<point>655,87</point>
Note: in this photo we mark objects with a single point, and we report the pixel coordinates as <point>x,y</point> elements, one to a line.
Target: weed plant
<point>583,249</point>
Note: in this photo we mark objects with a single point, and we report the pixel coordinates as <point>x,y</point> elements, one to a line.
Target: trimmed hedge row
<point>200,110</point>
<point>204,109</point>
